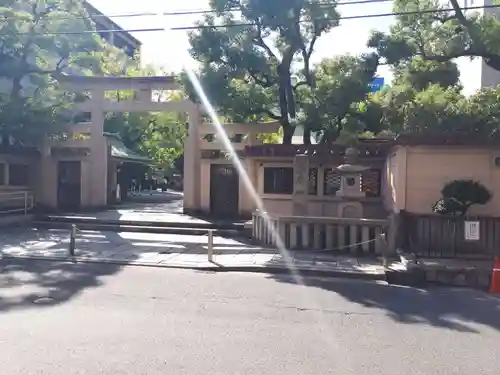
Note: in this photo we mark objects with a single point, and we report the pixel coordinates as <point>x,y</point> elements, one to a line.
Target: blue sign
<point>377,84</point>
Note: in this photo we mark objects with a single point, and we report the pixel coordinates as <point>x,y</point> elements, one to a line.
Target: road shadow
<point>58,281</point>
<point>24,282</point>
<point>448,308</point>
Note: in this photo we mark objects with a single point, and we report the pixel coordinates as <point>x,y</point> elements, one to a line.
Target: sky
<point>169,49</point>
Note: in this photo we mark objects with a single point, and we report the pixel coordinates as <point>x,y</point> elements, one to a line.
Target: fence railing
<point>442,236</point>
<point>322,233</point>
<point>16,201</point>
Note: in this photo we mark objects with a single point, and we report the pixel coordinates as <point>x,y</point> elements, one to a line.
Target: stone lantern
<point>350,175</point>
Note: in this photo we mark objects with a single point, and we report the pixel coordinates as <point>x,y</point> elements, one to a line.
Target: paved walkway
<point>181,251</point>
<point>154,207</point>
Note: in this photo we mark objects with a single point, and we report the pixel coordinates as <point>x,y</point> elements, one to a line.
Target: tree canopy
<point>331,106</point>
<point>258,68</point>
<point>161,135</point>
<point>253,67</point>
<point>34,47</point>
<point>425,97</point>
<point>40,40</point>
<point>439,33</point>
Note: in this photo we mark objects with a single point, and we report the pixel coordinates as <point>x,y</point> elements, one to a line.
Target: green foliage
<point>34,50</point>
<point>448,206</point>
<point>439,36</point>
<point>459,196</point>
<point>271,138</point>
<point>425,97</point>
<point>31,54</point>
<point>248,71</point>
<point>163,138</point>
<point>467,191</point>
<point>437,109</point>
<point>419,74</point>
<point>160,136</point>
<point>433,110</point>
<point>331,106</point>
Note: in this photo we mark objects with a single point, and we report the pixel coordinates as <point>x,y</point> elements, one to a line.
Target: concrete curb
<point>271,269</point>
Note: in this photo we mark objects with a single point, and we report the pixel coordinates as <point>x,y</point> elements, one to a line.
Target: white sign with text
<point>471,230</point>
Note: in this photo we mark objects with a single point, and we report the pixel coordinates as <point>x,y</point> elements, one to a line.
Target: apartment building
<point>112,33</point>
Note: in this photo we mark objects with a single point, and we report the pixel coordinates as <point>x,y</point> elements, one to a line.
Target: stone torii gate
<point>96,185</point>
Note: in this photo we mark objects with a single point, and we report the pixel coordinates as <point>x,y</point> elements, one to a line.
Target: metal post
<point>25,203</point>
<point>72,240</point>
<point>384,246</point>
<point>210,246</point>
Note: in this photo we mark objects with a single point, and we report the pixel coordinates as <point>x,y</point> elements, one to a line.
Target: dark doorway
<point>224,191</point>
<point>69,186</point>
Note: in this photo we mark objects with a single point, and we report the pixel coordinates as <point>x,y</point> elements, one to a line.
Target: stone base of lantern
<point>351,210</point>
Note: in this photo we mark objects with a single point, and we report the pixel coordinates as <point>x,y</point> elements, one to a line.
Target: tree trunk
<point>306,137</point>
<point>14,118</point>
<point>283,93</point>
<point>288,131</point>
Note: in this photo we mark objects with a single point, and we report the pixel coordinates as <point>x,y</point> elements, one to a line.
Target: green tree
<point>436,109</point>
<point>459,195</point>
<point>32,53</point>
<point>248,69</point>
<point>419,74</point>
<point>160,136</point>
<point>331,106</point>
<point>271,138</point>
<point>440,35</point>
<point>424,97</point>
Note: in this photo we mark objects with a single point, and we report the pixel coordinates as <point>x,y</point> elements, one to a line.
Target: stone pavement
<point>180,251</point>
<point>159,206</point>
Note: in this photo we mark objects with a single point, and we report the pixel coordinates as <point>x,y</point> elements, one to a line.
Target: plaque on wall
<point>471,231</point>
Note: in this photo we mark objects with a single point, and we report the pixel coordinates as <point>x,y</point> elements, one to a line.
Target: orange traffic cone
<point>495,277</point>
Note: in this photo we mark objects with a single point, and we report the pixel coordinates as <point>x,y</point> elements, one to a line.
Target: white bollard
<point>210,246</point>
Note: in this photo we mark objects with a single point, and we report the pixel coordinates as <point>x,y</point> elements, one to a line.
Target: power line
<point>198,27</point>
<point>236,10</point>
<point>201,11</point>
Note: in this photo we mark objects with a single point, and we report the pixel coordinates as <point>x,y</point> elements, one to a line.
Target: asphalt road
<point>133,320</point>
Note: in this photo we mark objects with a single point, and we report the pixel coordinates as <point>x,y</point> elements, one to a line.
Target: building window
<point>2,173</point>
<point>370,182</point>
<point>19,175</point>
<point>332,182</point>
<point>313,181</point>
<point>278,180</point>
